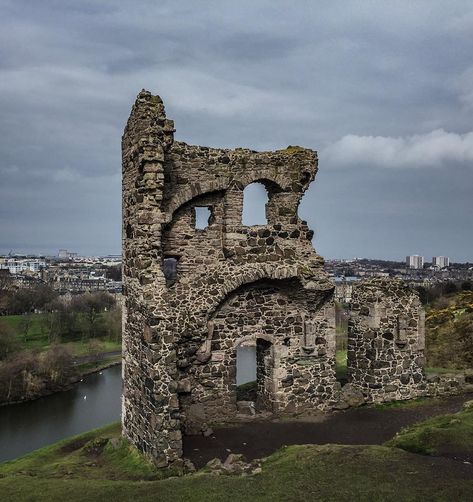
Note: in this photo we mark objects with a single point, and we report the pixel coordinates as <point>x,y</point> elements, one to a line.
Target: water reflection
<point>92,403</point>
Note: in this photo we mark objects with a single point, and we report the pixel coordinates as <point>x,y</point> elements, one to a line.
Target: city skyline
<point>383,92</point>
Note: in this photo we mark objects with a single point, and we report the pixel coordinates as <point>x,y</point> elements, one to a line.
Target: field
<point>37,338</point>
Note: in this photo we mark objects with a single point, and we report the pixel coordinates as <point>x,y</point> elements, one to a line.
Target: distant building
<point>440,261</point>
<point>65,254</point>
<point>18,265</point>
<point>415,261</point>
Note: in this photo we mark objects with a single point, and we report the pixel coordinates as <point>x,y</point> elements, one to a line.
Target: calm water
<point>92,403</point>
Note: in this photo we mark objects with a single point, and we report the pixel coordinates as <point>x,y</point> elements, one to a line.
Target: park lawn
<point>37,338</point>
<point>92,346</point>
<point>88,467</point>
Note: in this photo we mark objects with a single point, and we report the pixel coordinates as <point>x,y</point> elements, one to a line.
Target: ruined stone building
<point>197,288</point>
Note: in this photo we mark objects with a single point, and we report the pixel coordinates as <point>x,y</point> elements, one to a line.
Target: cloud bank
<point>436,149</point>
<point>375,87</point>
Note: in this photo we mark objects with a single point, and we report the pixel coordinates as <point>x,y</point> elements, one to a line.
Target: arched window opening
<point>255,198</point>
<point>170,269</point>
<point>203,215</point>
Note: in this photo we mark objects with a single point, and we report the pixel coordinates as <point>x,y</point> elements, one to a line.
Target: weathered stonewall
<point>192,296</point>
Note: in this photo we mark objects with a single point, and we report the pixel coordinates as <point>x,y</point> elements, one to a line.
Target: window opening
<point>202,217</point>
<point>170,269</point>
<point>255,198</point>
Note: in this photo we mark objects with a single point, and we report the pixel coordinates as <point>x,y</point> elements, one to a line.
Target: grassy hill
<point>100,466</point>
<point>449,332</point>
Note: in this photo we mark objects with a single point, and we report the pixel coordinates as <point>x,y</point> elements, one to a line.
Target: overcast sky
<point>383,91</point>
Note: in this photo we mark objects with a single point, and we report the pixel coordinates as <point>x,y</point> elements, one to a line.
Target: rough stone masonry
<point>194,294</point>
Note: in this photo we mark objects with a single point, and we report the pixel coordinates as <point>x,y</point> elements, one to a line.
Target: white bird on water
<point>85,397</point>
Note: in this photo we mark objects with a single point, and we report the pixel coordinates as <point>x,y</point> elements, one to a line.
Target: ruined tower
<point>193,295</point>
<point>195,292</point>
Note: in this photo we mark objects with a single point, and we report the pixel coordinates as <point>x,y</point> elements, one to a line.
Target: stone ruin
<point>193,295</point>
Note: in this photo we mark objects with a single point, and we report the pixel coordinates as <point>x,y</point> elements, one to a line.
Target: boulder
<point>352,395</point>
<point>214,465</point>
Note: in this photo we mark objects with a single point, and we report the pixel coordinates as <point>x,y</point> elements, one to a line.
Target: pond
<point>92,403</point>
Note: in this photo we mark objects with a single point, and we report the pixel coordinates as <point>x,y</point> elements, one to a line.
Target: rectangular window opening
<point>170,269</point>
<point>203,216</point>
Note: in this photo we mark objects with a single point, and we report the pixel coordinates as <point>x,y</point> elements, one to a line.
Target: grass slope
<point>88,467</point>
<point>448,435</point>
<point>86,456</point>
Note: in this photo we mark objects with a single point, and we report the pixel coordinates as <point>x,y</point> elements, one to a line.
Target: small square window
<point>202,217</point>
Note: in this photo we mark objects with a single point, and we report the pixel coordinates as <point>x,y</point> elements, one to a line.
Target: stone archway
<point>291,375</point>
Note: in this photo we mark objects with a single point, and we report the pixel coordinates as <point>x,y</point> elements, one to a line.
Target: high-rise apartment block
<point>440,261</point>
<point>415,261</point>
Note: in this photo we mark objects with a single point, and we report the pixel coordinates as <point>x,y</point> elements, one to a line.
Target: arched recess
<point>273,314</point>
<point>192,192</point>
<point>187,238</point>
<point>252,275</point>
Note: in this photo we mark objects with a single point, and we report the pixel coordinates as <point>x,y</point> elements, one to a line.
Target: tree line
<point>26,372</point>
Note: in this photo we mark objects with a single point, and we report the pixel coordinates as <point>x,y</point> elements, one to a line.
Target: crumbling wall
<point>177,339</point>
<point>386,341</point>
<point>193,295</point>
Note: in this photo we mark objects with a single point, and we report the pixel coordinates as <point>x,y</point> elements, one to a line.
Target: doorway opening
<point>246,372</point>
<point>254,377</point>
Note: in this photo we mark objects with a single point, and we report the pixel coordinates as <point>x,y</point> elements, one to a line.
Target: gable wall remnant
<point>386,341</point>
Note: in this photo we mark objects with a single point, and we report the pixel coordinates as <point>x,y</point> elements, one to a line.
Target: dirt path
<point>365,425</point>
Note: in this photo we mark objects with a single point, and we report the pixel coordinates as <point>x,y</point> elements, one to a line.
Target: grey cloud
<point>435,149</point>
<point>359,81</point>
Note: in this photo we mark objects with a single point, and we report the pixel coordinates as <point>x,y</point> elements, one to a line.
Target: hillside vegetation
<point>449,331</point>
<point>447,435</point>
<point>43,352</point>
<point>99,465</point>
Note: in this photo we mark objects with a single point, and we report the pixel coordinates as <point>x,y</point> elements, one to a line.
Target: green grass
<point>37,338</point>
<point>97,365</point>
<point>439,435</point>
<point>341,368</point>
<point>247,391</point>
<point>88,456</point>
<point>408,403</point>
<point>87,467</point>
<point>443,371</point>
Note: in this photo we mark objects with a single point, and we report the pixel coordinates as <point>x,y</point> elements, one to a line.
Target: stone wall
<point>386,341</point>
<point>231,282</point>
